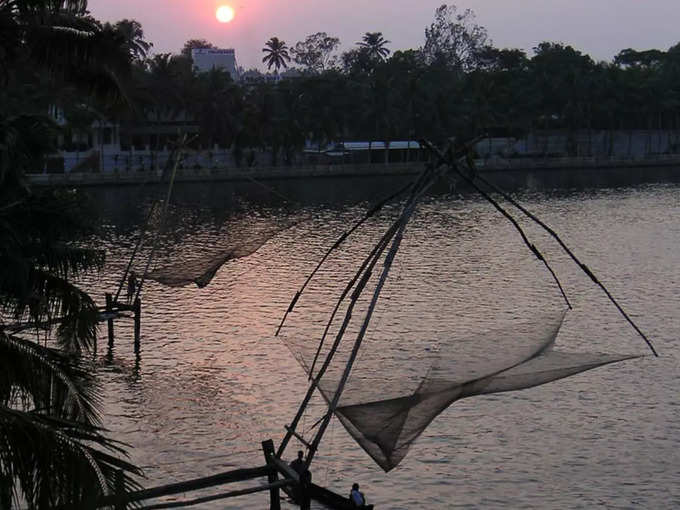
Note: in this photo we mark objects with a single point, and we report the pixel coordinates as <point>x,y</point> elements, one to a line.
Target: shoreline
<point>364,170</point>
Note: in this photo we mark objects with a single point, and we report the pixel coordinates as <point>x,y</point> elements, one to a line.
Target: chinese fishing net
<point>465,311</point>
<point>198,257</point>
<point>189,244</point>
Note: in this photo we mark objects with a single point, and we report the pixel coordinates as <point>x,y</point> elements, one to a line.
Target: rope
<point>576,260</point>
<point>378,248</point>
<point>370,213</point>
<point>532,247</point>
<point>470,180</point>
<point>360,278</point>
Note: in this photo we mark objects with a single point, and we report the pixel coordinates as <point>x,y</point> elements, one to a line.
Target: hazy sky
<point>598,27</point>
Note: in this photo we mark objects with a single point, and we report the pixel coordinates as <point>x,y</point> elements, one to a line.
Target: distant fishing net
<point>464,312</point>
<point>198,256</point>
<point>179,245</point>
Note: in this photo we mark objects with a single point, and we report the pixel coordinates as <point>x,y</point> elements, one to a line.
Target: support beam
<point>272,478</point>
<point>225,495</point>
<point>238,475</point>
<point>298,436</point>
<point>285,469</point>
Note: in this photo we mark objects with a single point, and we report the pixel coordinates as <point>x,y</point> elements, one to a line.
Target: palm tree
<point>135,43</point>
<point>374,44</point>
<point>52,449</point>
<point>276,54</point>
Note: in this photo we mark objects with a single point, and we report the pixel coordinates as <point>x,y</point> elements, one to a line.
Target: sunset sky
<point>598,27</point>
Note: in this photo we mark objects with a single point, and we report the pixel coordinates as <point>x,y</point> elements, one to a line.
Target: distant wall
<point>618,145</point>
<point>226,174</point>
<point>584,143</point>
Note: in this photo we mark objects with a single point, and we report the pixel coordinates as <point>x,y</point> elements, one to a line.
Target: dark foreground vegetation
<point>53,451</point>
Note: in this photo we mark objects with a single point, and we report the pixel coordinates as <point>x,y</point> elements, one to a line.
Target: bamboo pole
<point>380,246</point>
<point>238,475</point>
<point>272,478</point>
<point>224,495</point>
<point>423,184</point>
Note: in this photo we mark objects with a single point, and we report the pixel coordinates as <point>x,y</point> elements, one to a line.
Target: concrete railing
<point>357,170</point>
<point>228,174</point>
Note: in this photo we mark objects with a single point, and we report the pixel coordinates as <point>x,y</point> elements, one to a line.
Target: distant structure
<point>206,59</point>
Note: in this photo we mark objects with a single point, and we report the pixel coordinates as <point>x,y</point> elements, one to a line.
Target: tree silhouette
<point>133,34</point>
<point>374,45</point>
<point>276,54</point>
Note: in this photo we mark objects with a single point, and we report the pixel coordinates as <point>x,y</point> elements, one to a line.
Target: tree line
<point>456,84</point>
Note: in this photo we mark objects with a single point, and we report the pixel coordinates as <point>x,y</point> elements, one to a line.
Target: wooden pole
<point>305,486</point>
<point>274,496</point>
<point>109,310</point>
<point>215,497</point>
<point>424,182</point>
<point>138,323</point>
<point>238,475</point>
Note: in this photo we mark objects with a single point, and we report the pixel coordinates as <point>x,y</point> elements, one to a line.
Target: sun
<point>224,14</point>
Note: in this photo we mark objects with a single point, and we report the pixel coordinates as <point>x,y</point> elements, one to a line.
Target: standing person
<point>302,493</point>
<point>305,486</point>
<point>356,497</point>
<point>131,286</point>
<point>298,465</point>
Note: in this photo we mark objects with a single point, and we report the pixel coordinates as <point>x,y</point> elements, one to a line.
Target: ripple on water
<point>212,381</point>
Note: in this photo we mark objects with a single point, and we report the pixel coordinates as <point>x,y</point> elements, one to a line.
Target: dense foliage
<point>53,451</point>
<point>458,82</point>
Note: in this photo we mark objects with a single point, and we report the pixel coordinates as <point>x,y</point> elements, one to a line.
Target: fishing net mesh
<point>432,342</point>
<point>199,259</point>
<point>193,244</point>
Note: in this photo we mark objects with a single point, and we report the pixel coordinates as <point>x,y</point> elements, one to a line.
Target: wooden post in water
<point>272,477</point>
<point>138,323</point>
<point>109,310</point>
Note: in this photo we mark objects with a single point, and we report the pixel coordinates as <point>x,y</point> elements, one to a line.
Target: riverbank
<point>364,170</point>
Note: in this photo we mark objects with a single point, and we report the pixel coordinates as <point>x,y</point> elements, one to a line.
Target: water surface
<point>212,382</point>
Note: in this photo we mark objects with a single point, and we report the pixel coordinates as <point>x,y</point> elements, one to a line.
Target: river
<point>212,381</point>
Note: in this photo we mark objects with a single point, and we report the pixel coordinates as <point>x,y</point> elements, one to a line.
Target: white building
<point>206,59</point>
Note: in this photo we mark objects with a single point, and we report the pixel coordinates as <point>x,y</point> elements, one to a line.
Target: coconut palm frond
<point>42,378</point>
<point>23,140</point>
<point>76,309</point>
<point>32,444</point>
<point>50,299</point>
<point>10,38</point>
<point>67,52</point>
<point>76,7</point>
<point>66,261</point>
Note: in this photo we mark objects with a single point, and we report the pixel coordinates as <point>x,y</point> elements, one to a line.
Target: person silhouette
<point>356,497</point>
<point>131,286</point>
<point>298,465</point>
